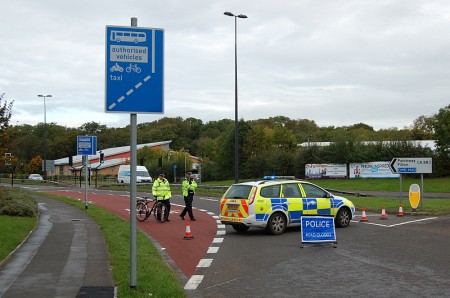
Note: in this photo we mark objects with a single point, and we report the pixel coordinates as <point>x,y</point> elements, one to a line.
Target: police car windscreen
<point>239,192</point>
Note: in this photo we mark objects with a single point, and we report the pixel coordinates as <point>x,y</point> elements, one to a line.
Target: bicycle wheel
<point>141,211</point>
<point>160,212</point>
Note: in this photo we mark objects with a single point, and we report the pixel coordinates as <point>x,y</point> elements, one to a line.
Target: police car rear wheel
<point>343,218</point>
<point>240,228</point>
<point>276,224</point>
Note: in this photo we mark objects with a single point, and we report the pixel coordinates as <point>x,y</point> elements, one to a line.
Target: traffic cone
<point>400,210</point>
<point>188,235</point>
<point>364,217</point>
<point>383,213</point>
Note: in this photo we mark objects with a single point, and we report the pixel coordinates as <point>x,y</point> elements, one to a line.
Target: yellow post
<point>414,196</point>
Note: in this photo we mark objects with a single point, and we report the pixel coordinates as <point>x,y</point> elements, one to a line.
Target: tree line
<point>266,146</point>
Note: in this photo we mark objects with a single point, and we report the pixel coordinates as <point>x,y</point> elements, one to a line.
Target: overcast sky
<point>336,62</point>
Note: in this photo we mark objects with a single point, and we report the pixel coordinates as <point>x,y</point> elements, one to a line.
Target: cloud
<point>383,63</point>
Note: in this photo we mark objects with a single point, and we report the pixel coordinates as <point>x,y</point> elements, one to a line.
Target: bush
<point>17,202</point>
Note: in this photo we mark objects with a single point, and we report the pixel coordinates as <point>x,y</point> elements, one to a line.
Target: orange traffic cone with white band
<point>188,235</point>
<point>383,213</point>
<point>400,210</point>
<point>364,217</point>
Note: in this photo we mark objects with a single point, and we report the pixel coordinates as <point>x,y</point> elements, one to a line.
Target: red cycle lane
<point>170,235</point>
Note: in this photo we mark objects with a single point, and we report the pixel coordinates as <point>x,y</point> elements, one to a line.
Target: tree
<point>442,135</point>
<point>422,128</point>
<point>5,116</point>
<point>442,130</point>
<point>92,128</point>
<point>35,165</point>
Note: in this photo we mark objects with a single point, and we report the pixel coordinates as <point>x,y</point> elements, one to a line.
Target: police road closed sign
<point>134,70</point>
<point>317,229</point>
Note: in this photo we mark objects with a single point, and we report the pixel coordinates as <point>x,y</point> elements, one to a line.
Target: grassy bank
<point>14,229</point>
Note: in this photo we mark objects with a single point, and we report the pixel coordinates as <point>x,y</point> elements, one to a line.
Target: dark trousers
<point>167,203</point>
<point>188,209</point>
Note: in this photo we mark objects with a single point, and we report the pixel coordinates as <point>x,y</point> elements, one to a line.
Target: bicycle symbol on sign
<point>133,67</point>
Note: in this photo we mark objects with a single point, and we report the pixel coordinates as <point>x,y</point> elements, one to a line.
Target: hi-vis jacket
<point>161,189</point>
<point>186,186</point>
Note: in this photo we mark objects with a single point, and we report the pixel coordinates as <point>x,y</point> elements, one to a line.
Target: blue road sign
<point>134,70</point>
<point>86,145</point>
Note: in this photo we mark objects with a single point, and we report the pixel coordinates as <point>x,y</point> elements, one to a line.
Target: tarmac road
<point>386,258</point>
<point>398,257</point>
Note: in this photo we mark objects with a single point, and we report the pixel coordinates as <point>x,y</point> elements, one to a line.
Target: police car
<point>276,204</point>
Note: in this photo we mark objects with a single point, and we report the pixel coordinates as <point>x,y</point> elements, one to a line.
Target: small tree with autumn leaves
<point>5,116</point>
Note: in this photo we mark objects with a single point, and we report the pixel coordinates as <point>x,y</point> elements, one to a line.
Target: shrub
<point>17,202</point>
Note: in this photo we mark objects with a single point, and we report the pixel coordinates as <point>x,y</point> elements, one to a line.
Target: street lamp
<point>185,170</point>
<point>236,128</point>
<point>45,135</point>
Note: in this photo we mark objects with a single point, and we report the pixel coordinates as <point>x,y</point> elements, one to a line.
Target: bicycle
<point>143,211</point>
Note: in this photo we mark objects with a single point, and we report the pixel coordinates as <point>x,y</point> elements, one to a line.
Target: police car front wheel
<point>276,224</point>
<point>343,218</point>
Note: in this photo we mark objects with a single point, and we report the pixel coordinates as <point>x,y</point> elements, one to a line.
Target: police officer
<point>188,186</point>
<point>161,191</point>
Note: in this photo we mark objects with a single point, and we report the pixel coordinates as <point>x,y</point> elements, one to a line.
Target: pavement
<point>65,256</point>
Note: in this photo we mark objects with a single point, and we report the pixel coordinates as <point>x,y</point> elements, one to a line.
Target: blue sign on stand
<point>86,145</point>
<point>318,229</point>
<point>134,70</point>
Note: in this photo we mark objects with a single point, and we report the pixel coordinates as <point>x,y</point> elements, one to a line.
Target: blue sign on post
<point>318,229</point>
<point>134,70</point>
<point>86,145</point>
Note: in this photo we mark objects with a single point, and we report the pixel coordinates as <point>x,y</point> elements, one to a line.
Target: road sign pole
<point>133,166</point>
<point>85,159</point>
<point>421,192</point>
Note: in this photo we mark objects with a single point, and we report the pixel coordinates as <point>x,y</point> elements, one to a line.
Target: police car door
<point>291,192</point>
<point>316,200</point>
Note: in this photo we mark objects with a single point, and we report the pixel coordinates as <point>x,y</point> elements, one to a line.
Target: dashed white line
<point>193,282</point>
<point>121,98</point>
<point>212,250</point>
<point>205,263</point>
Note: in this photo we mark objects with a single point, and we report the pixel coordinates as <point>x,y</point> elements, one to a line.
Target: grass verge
<point>427,206</point>
<point>14,229</point>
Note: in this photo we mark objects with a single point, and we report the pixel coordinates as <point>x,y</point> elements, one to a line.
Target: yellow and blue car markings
<point>292,207</point>
<point>295,209</point>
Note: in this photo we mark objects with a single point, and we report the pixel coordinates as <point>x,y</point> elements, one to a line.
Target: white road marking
<point>212,250</point>
<point>204,263</point>
<point>193,282</point>
<point>397,224</point>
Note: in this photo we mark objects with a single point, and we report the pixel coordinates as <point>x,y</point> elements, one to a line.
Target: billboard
<point>319,171</point>
<point>375,169</point>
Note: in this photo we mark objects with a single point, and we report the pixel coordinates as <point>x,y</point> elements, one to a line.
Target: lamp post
<point>236,128</point>
<point>185,170</point>
<point>45,135</point>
